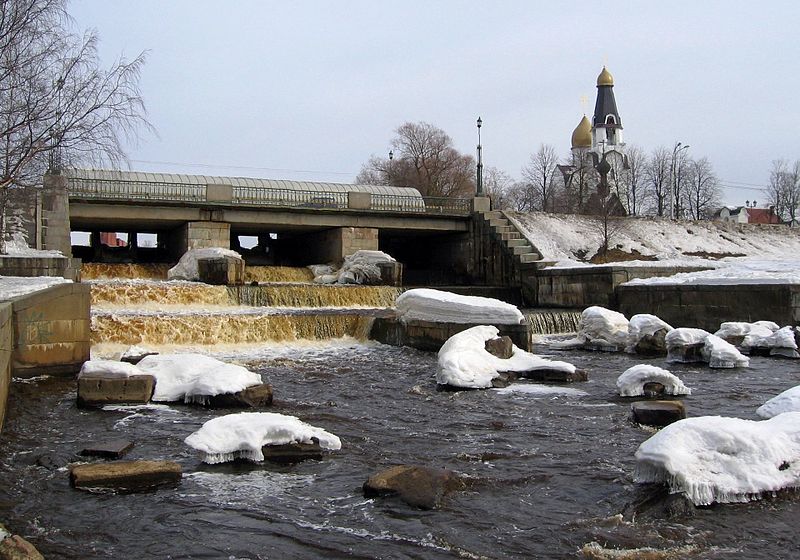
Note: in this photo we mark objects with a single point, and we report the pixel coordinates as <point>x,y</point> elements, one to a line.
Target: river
<point>552,472</point>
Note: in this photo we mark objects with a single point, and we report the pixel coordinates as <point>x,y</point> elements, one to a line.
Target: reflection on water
<point>551,470</point>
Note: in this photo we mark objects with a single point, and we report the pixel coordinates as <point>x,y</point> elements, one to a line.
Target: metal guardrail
<point>109,189</point>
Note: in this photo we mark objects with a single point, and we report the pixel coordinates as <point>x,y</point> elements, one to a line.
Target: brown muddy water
<point>552,472</point>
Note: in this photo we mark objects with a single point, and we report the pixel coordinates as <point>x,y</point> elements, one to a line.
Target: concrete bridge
<point>296,223</point>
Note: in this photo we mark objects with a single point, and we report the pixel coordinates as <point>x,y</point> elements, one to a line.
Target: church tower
<point>606,123</point>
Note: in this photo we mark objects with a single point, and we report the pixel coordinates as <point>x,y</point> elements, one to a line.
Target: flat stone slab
<point>253,397</point>
<point>292,452</point>
<point>126,476</point>
<point>97,391</point>
<point>554,375</point>
<point>658,413</point>
<point>110,449</point>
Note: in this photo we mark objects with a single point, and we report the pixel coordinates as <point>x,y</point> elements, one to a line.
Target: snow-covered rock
<point>242,436</point>
<point>788,401</point>
<point>736,331</point>
<point>782,342</point>
<point>464,361</point>
<point>721,354</point>
<point>603,329</point>
<point>715,459</point>
<point>631,383</point>
<point>647,334</point>
<point>425,304</point>
<point>108,369</point>
<point>685,345</point>
<point>187,267</point>
<point>362,267</point>
<point>195,377</point>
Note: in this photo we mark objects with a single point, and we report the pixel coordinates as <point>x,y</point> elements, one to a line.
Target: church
<point>597,148</point>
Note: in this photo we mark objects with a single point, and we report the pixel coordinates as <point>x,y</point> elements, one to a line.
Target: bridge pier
<point>327,246</point>
<point>203,235</point>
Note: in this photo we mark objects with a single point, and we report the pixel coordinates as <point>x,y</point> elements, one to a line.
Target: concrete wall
<point>40,266</point>
<point>706,307</point>
<point>6,344</point>
<point>54,217</point>
<point>583,287</point>
<point>51,330</point>
<point>326,246</point>
<point>203,235</point>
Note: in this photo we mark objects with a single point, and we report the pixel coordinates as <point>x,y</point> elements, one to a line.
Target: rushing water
<point>551,470</point>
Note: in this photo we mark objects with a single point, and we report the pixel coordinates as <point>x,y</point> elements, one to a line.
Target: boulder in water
<point>500,347</point>
<point>417,486</point>
<point>646,335</point>
<point>110,449</point>
<point>685,345</point>
<point>252,397</point>
<point>14,547</point>
<point>658,413</point>
<point>546,375</point>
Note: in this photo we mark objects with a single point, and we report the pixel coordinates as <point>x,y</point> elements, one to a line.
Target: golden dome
<point>582,135</point>
<point>605,78</point>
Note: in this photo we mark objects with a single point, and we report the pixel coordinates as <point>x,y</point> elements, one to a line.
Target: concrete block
<point>219,193</point>
<point>97,391</point>
<point>127,476</point>
<point>658,413</point>
<point>111,449</point>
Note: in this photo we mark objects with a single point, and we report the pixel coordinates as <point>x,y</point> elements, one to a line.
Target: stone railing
<point>136,191</point>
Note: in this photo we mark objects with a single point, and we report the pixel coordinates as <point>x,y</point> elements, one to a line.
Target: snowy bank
<point>362,267</point>
<point>242,435</point>
<point>465,362</point>
<point>632,381</point>
<point>16,286</point>
<point>732,271</point>
<point>425,304</point>
<point>716,459</point>
<point>195,377</point>
<point>788,401</point>
<point>187,268</point>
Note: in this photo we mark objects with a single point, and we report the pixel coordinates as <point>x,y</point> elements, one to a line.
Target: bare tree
<point>634,179</point>
<point>57,105</point>
<point>423,158</point>
<point>579,179</point>
<point>658,173</point>
<point>540,175</point>
<point>783,191</point>
<point>497,185</point>
<point>678,181</point>
<point>702,189</point>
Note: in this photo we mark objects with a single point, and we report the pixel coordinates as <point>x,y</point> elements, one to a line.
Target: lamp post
<point>673,199</point>
<point>479,182</point>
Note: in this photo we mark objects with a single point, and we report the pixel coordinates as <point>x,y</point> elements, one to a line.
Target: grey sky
<point>309,90</point>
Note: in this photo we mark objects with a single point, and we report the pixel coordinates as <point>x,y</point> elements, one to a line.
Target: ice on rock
<point>631,383</point>
<point>108,369</point>
<point>716,459</point>
<point>781,342</point>
<point>788,401</point>
<point>464,361</point>
<point>359,268</point>
<point>187,267</point>
<point>242,435</point>
<point>768,325</point>
<point>425,304</point>
<point>195,377</point>
<point>735,331</point>
<point>642,325</point>
<point>721,354</point>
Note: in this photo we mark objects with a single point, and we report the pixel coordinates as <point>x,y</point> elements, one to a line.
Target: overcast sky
<point>309,90</point>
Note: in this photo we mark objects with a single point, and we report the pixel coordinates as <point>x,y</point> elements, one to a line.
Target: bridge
<point>296,222</point>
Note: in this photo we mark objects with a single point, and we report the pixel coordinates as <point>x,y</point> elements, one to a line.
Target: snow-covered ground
<point>765,253</point>
<point>15,286</point>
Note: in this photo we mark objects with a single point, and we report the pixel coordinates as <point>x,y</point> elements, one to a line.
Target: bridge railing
<point>112,189</point>
<point>135,190</point>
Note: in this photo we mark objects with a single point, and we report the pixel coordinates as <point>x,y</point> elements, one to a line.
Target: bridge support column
<point>202,235</point>
<point>328,246</point>
<point>53,222</point>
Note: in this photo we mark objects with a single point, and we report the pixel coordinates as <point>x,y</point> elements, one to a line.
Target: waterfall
<point>553,321</point>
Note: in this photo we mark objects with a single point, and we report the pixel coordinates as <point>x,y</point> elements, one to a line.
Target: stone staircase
<point>514,241</point>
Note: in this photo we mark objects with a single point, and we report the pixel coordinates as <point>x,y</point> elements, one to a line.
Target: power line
<point>244,167</point>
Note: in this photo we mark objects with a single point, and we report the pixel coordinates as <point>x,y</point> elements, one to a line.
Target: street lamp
<point>673,198</point>
<point>480,160</point>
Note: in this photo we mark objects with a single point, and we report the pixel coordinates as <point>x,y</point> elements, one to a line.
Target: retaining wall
<point>706,306</point>
<point>6,346</point>
<point>51,330</point>
<point>40,266</point>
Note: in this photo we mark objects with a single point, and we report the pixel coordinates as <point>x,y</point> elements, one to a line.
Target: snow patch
<point>540,390</point>
<point>242,435</point>
<point>108,369</point>
<point>16,286</point>
<point>464,361</point>
<point>632,381</point>
<point>425,304</point>
<point>721,354</point>
<point>194,377</point>
<point>716,459</point>
<point>359,268</point>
